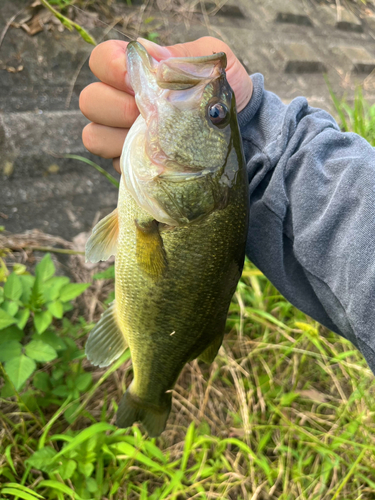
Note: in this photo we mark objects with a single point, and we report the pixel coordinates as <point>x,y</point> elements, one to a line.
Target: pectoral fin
<point>151,256</point>
<point>103,241</point>
<point>209,354</point>
<point>106,341</point>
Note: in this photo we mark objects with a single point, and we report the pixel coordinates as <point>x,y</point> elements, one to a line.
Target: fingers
<point>106,105</point>
<point>108,63</point>
<point>104,141</point>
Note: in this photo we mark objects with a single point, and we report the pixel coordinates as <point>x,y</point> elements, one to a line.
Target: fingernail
<point>155,49</point>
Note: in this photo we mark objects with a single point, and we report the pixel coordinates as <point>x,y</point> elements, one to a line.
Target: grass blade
<point>101,170</point>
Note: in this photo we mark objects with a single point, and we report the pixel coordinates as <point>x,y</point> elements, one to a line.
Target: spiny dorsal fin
<point>151,256</point>
<point>106,341</point>
<point>103,241</point>
<point>209,354</point>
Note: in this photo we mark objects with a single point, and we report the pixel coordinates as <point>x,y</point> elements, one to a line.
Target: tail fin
<point>132,409</point>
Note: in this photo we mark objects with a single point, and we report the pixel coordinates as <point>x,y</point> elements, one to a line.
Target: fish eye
<point>217,113</point>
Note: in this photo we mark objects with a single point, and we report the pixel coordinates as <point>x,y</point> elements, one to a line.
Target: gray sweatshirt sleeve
<point>312,212</point>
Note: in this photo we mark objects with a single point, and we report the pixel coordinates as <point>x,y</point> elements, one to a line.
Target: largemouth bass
<point>178,232</point>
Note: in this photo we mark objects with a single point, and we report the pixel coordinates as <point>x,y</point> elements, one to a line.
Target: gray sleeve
<point>312,212</point>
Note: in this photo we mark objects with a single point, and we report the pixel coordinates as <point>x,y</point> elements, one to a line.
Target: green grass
<point>285,412</point>
<point>286,409</point>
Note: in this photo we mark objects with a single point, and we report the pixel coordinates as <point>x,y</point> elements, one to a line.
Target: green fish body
<point>178,233</point>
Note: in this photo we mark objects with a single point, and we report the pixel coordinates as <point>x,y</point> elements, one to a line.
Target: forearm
<point>312,212</point>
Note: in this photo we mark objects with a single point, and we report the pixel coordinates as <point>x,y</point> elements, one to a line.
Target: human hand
<point>110,103</point>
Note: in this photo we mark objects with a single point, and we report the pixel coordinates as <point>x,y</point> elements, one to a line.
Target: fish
<point>178,233</point>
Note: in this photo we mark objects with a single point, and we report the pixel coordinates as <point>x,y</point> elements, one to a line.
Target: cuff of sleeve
<point>253,105</point>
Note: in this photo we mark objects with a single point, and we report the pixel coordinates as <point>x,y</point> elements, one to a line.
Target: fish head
<point>175,156</point>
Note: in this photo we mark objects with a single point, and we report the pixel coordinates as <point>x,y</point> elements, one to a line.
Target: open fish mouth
<point>175,73</point>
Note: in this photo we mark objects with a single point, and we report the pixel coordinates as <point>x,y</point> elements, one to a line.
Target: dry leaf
<point>314,395</point>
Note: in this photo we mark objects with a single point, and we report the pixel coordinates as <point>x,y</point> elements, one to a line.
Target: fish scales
<point>178,233</point>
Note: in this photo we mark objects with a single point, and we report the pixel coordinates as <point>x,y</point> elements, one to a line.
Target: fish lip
<point>137,48</point>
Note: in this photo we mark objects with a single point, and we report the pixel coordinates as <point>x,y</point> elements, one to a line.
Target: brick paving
<point>291,42</point>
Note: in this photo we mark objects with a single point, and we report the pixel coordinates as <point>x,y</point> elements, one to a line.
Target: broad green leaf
<point>42,320</point>
<point>51,339</point>
<point>41,381</point>
<point>85,469</point>
<point>10,333</point>
<point>91,484</point>
<point>45,269</point>
<point>1,294</point>
<point>10,350</point>
<point>19,370</point>
<point>43,459</point>
<point>29,400</point>
<point>109,273</point>
<point>10,307</point>
<point>36,296</point>
<point>53,286</point>
<point>19,269</point>
<point>66,470</point>
<point>8,390</point>
<point>61,391</point>
<point>22,316</point>
<point>40,351</point>
<point>83,381</point>
<point>6,319</point>
<point>56,309</point>
<point>27,284</point>
<point>13,287</point>
<point>71,291</point>
<point>71,414</point>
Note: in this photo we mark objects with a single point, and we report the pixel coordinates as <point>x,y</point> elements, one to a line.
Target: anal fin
<point>151,256</point>
<point>106,341</point>
<point>103,241</point>
<point>209,354</point>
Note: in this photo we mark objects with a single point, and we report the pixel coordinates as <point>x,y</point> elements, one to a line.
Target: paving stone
<point>63,214</point>
<point>300,58</point>
<point>29,134</point>
<point>230,10</point>
<point>347,21</point>
<point>361,60</point>
<point>285,12</point>
<point>342,18</point>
